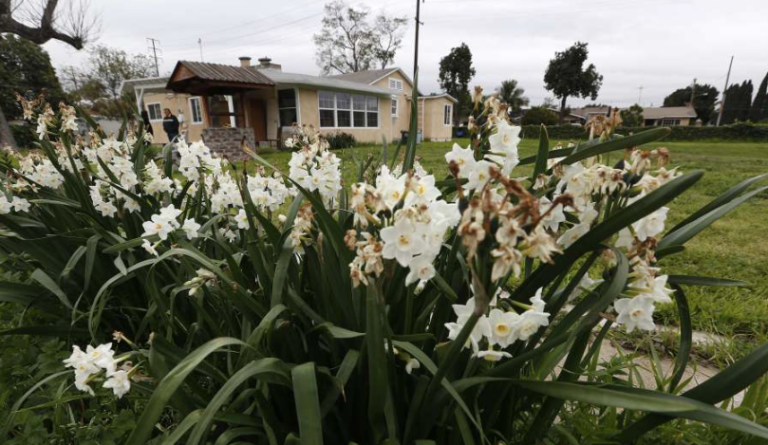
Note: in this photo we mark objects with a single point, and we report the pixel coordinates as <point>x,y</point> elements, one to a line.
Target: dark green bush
<point>340,140</point>
<point>540,115</point>
<point>23,134</point>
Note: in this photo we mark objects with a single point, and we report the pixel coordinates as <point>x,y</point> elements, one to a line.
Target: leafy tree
<point>566,76</point>
<point>759,110</point>
<point>538,116</point>
<point>632,116</point>
<point>703,102</point>
<point>511,94</point>
<point>348,42</point>
<point>98,85</point>
<point>456,71</point>
<point>738,101</point>
<point>25,68</point>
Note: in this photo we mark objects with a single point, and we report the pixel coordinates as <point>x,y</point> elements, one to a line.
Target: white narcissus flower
<point>5,205</point>
<point>149,247</point>
<point>573,234</point>
<point>635,313</point>
<point>532,319</point>
<point>119,382</point>
<point>625,240</point>
<point>421,269</point>
<point>481,329</point>
<point>539,244</point>
<point>411,365</point>
<point>242,220</point>
<point>190,228</point>
<point>463,157</point>
<point>102,356</point>
<point>553,219</point>
<point>157,226</point>
<point>492,356</point>
<point>401,242</point>
<point>651,225</point>
<point>480,175</point>
<point>502,327</point>
<point>20,204</point>
<point>107,209</point>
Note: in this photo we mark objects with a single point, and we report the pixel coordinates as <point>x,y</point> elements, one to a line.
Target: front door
<point>258,115</point>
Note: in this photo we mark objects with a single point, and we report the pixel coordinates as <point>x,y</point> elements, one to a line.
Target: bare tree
<point>388,32</point>
<point>40,21</point>
<point>43,20</point>
<point>348,42</point>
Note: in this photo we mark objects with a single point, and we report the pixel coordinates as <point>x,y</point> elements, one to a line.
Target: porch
<point>237,105</point>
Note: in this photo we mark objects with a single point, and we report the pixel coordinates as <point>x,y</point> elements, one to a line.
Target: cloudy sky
<point>659,45</point>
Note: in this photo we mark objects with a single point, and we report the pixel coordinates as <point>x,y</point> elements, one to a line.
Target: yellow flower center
<point>404,240</point>
<point>636,313</point>
<point>501,329</point>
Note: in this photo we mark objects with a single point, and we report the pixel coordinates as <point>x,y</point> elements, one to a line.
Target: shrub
<point>24,135</point>
<point>403,310</point>
<point>340,140</point>
<point>539,116</point>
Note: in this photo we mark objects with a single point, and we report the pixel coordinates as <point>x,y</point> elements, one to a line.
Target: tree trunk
<point>6,136</point>
<point>562,110</point>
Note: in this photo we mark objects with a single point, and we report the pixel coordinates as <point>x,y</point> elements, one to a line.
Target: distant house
<point>225,104</point>
<point>653,116</point>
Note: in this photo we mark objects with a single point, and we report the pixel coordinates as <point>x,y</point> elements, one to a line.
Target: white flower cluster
<point>314,167</point>
<point>415,220</point>
<point>89,363</point>
<point>196,157</point>
<point>268,192</point>
<point>500,327</point>
<point>41,171</point>
<point>166,222</point>
<point>16,204</point>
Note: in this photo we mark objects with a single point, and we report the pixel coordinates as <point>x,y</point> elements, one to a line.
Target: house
<point>225,104</point>
<point>653,116</point>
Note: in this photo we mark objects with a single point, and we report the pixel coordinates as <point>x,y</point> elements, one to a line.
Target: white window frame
<point>199,101</point>
<point>395,107</point>
<point>160,106</point>
<point>395,84</point>
<point>351,111</point>
<point>448,115</point>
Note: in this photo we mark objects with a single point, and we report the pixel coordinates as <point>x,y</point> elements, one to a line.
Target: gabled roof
<point>223,73</point>
<point>438,96</point>
<point>321,82</point>
<point>372,76</point>
<point>147,83</point>
<point>669,112</point>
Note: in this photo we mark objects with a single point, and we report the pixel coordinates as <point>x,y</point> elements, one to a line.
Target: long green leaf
<point>692,280</point>
<point>617,143</point>
<point>686,338</point>
<point>168,386</point>
<point>307,404</point>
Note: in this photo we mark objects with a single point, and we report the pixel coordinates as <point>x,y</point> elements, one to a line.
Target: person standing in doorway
<point>147,123</point>
<point>170,125</point>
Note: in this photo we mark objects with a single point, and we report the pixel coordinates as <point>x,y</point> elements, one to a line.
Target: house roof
<point>669,112</point>
<point>224,73</point>
<point>439,96</point>
<point>327,82</point>
<point>372,76</point>
<point>147,83</point>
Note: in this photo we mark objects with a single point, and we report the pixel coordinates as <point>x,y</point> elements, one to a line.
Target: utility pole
<point>693,91</point>
<point>413,128</point>
<point>725,88</point>
<point>155,43</point>
<point>200,42</point>
<point>640,95</point>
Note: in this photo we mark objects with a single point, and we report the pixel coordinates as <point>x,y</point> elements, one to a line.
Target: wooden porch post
<point>204,100</point>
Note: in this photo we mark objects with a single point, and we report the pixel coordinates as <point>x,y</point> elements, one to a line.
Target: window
<point>286,104</point>
<point>394,107</point>
<point>155,113</point>
<point>396,84</point>
<point>447,115</point>
<point>345,110</point>
<point>196,110</point>
<point>225,111</point>
<point>668,122</point>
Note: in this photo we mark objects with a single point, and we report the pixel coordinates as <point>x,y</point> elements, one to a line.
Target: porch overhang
<point>206,79</point>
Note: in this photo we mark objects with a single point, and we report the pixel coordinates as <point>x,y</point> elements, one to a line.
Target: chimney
<point>245,61</point>
<point>265,62</point>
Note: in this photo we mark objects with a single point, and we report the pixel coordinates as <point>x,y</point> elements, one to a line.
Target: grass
<point>734,247</point>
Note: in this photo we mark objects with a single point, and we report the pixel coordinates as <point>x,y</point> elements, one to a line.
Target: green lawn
<point>734,247</point>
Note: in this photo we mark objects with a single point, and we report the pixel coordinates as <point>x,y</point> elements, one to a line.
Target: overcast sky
<point>659,45</point>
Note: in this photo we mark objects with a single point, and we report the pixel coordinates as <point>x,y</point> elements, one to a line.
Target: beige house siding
<point>179,105</point>
<point>309,112</point>
<point>401,122</point>
<point>435,128</point>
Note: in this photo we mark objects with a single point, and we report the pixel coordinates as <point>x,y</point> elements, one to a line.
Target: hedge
<point>736,132</point>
